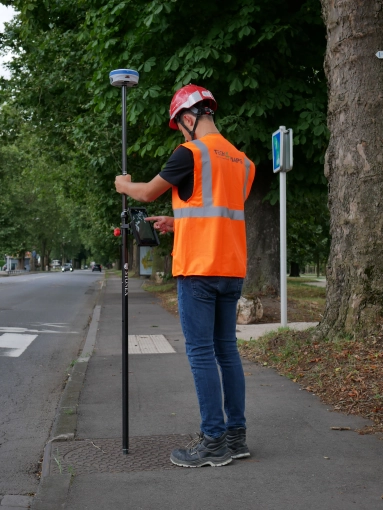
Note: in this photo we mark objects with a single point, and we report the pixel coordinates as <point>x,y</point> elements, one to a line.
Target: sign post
<point>282,147</point>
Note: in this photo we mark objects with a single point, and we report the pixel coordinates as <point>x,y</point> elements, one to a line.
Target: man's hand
<point>121,183</point>
<point>141,191</point>
<point>162,223</point>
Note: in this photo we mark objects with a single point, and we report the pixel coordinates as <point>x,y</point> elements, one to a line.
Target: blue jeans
<point>207,308</point>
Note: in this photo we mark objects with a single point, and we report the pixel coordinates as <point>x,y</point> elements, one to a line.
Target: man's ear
<point>190,119</point>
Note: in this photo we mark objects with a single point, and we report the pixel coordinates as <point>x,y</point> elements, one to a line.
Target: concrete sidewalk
<point>297,462</point>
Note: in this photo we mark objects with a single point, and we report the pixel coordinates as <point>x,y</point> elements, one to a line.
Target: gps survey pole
<point>124,78</point>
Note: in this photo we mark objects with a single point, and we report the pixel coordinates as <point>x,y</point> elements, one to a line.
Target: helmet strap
<point>202,110</point>
<point>191,133</point>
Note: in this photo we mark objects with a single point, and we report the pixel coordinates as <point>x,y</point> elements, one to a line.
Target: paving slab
<point>254,331</point>
<point>15,501</point>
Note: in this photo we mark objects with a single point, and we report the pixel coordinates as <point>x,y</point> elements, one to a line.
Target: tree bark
<point>43,255</point>
<point>294,269</point>
<point>354,166</point>
<point>318,266</point>
<point>262,231</point>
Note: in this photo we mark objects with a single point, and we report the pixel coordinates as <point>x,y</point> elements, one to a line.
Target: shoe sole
<point>223,462</point>
<point>240,455</point>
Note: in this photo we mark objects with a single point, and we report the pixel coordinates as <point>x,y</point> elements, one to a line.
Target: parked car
<point>96,267</point>
<point>67,267</point>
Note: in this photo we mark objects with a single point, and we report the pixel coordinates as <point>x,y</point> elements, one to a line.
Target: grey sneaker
<point>203,451</point>
<point>236,442</point>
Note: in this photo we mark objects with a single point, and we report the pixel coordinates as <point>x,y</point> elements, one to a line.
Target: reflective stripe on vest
<point>208,210</point>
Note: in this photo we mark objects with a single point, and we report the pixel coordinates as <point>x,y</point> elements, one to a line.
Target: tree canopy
<point>262,60</point>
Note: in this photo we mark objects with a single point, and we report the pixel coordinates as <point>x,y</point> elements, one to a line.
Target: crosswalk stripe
<point>13,344</point>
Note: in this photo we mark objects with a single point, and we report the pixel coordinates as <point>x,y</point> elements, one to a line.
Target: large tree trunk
<point>354,166</point>
<point>294,269</point>
<point>262,230</point>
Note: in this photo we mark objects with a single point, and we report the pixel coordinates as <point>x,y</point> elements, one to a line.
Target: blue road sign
<point>282,147</point>
<point>277,141</point>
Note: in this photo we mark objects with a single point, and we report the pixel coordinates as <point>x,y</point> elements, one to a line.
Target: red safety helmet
<point>187,97</point>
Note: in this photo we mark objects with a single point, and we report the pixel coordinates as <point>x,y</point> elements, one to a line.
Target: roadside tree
<point>262,60</point>
<point>354,167</point>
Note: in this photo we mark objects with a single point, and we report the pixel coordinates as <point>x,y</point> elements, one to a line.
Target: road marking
<point>149,344</point>
<point>53,325</point>
<point>13,345</point>
<point>20,279</point>
<point>26,330</point>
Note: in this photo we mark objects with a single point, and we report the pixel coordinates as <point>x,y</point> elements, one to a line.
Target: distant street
<point>43,324</point>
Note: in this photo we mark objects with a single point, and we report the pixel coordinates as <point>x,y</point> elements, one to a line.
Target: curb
<point>52,491</point>
<point>55,493</point>
<point>66,419</point>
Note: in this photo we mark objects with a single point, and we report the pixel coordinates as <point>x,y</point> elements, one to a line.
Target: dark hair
<point>198,110</point>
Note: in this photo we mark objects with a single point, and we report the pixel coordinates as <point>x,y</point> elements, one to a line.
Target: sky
<point>6,14</point>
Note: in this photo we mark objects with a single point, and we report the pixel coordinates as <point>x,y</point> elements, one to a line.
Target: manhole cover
<point>146,453</point>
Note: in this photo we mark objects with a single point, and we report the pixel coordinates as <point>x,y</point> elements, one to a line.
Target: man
<point>210,182</point>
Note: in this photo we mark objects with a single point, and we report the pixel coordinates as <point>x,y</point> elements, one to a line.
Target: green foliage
<point>32,211</point>
<point>262,60</point>
<point>11,199</point>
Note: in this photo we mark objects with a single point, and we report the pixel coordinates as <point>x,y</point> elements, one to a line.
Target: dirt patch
<point>166,293</point>
<point>169,301</point>
<point>345,372</point>
<point>297,311</point>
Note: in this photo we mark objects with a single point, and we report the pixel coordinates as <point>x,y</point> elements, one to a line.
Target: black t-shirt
<point>179,171</point>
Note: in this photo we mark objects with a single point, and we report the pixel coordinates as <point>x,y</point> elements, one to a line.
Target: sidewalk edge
<point>66,418</point>
<point>53,489</point>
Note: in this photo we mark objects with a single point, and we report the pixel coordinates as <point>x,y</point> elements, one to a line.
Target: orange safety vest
<point>209,228</point>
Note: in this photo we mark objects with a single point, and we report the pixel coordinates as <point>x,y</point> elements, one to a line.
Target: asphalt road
<point>43,325</point>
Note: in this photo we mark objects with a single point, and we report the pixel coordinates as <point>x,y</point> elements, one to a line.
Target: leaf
<point>148,20</point>
<point>173,64</point>
<point>236,85</point>
<point>151,62</point>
